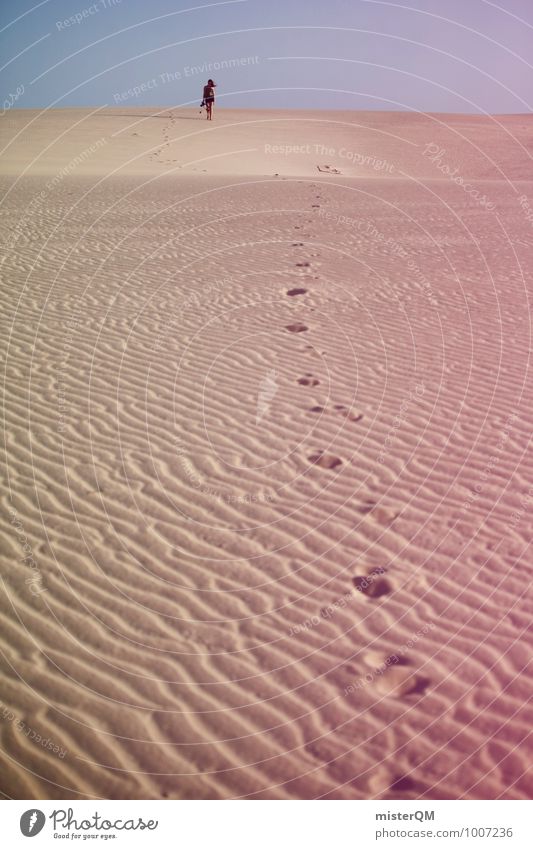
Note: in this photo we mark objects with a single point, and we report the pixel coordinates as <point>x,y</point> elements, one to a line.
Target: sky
<point>470,56</point>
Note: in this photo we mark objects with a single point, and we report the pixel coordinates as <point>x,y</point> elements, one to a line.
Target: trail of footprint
<point>163,149</point>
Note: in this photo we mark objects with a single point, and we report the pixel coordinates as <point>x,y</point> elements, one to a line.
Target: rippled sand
<point>267,499</point>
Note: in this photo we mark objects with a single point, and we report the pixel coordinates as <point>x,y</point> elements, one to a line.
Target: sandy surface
<point>267,488</point>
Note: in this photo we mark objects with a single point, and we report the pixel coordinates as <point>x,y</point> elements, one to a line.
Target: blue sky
<point>354,54</point>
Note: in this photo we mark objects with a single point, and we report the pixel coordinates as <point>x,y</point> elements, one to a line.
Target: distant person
<point>209,98</point>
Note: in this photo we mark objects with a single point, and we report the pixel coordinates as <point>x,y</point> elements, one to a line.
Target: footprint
<point>308,381</point>
<point>325,461</point>
<point>293,292</point>
<point>371,586</point>
<point>399,681</point>
<point>403,784</point>
<point>380,660</point>
<point>348,414</point>
<point>381,514</point>
<point>296,328</point>
<point>384,516</point>
<point>387,781</point>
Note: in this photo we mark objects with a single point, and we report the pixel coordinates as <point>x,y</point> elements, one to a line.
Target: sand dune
<point>267,495</point>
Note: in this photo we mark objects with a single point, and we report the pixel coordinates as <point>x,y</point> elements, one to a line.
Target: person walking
<point>209,98</point>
